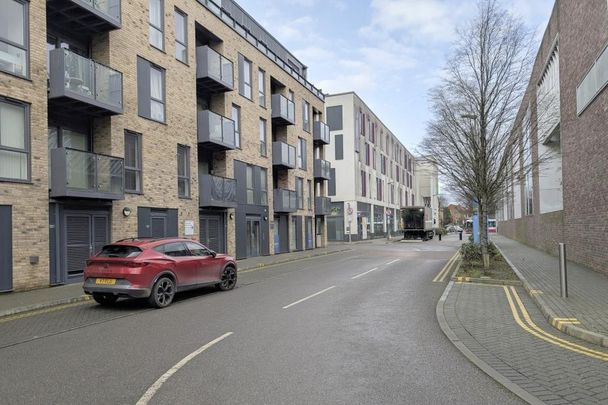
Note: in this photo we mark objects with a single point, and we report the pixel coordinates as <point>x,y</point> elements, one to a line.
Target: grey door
<point>213,233</point>
<point>85,234</point>
<point>6,248</point>
<point>254,235</point>
<point>309,233</point>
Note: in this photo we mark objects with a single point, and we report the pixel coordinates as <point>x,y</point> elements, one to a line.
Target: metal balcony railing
<point>283,155</point>
<point>214,72</point>
<point>322,169</point>
<point>283,110</point>
<point>215,131</point>
<point>285,200</point>
<point>320,133</point>
<point>215,191</point>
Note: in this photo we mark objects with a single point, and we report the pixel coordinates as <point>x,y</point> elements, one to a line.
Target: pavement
<point>584,314</point>
<point>356,327</point>
<point>15,303</point>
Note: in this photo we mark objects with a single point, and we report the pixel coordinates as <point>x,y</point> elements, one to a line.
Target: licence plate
<point>105,281</point>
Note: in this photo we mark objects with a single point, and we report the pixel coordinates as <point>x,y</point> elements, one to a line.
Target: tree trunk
<point>483,235</point>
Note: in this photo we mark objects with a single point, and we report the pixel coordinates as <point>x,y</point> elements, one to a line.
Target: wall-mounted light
<point>231,216</point>
<point>126,211</point>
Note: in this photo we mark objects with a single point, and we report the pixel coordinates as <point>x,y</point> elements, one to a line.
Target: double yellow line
<point>530,327</point>
<point>440,278</point>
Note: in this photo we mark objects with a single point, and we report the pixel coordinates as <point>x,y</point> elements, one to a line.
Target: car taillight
<point>136,264</point>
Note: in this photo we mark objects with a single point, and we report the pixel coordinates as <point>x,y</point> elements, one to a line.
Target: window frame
<point>306,116</point>
<point>263,137</point>
<point>185,150</point>
<point>300,193</point>
<point>163,91</point>
<point>139,160</point>
<point>27,140</point>
<point>262,88</point>
<point>300,154</point>
<point>243,85</point>
<point>263,195</point>
<point>310,194</point>
<point>160,29</point>
<point>237,124</point>
<point>26,41</point>
<point>179,12</point>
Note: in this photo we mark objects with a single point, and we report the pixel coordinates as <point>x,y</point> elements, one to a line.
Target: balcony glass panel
<point>90,172</point>
<point>108,7</point>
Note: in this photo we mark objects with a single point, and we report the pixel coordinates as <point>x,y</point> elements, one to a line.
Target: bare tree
<point>476,136</point>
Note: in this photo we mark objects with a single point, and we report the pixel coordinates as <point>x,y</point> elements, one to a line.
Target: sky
<point>390,52</point>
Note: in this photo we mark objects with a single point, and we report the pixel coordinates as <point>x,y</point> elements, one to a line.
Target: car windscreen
<point>119,251</point>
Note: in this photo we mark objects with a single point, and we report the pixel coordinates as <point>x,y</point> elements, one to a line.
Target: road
<point>350,328</point>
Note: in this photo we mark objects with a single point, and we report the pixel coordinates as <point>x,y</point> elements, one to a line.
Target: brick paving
<point>481,319</point>
<point>588,290</point>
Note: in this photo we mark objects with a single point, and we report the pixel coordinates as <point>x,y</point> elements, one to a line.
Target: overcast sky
<point>389,51</point>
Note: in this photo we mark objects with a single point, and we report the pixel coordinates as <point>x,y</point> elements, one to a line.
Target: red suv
<point>156,269</point>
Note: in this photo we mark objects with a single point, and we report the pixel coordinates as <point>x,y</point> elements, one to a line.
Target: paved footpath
<point>501,330</point>
<point>584,314</point>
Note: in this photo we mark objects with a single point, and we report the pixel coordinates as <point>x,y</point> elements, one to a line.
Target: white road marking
<point>362,274</point>
<point>156,386</point>
<point>309,297</point>
<point>394,261</point>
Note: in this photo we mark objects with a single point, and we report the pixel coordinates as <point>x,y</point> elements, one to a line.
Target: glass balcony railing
<point>322,205</point>
<point>217,191</point>
<point>283,109</point>
<point>110,8</point>
<point>284,155</point>
<point>76,77</point>
<point>320,133</point>
<point>285,200</point>
<point>76,173</point>
<point>214,71</point>
<point>215,131</point>
<point>322,169</point>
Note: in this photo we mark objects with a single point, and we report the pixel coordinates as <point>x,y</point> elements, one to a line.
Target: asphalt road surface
<point>350,328</point>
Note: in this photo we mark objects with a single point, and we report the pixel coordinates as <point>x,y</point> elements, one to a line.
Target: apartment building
<point>427,188</point>
<point>372,173</point>
<point>151,118</point>
<point>563,199</point>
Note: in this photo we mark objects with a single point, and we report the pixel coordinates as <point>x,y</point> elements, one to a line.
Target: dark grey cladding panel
<point>334,118</point>
<point>6,248</point>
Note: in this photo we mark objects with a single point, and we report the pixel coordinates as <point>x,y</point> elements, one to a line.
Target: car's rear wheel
<point>162,293</point>
<point>105,299</point>
<point>228,279</point>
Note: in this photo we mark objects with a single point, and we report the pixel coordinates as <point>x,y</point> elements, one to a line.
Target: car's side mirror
<point>212,253</point>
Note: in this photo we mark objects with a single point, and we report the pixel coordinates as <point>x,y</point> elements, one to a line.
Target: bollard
<point>563,271</point>
<point>460,235</point>
<point>439,236</point>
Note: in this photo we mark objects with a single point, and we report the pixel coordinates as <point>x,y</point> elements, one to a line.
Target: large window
<point>181,36</point>
<point>301,153</point>
<point>150,90</point>
<point>263,137</point>
<point>249,184</point>
<point>263,187</point>
<point>306,115</point>
<point>363,184</point>
<point>244,77</point>
<point>300,192</point>
<point>309,194</point>
<point>156,22</point>
<point>183,171</point>
<point>262,88</point>
<point>13,37</point>
<point>14,141</point>
<point>133,162</point>
<point>236,117</point>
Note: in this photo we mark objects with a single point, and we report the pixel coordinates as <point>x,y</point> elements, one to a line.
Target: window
<point>14,141</point>
<point>301,153</point>
<point>176,249</point>
<point>249,184</point>
<point>262,137</point>
<point>181,36</point>
<point>593,82</point>
<point>263,187</point>
<point>367,154</point>
<point>183,171</point>
<point>262,88</point>
<point>197,250</point>
<point>14,37</point>
<point>379,189</point>
<point>244,77</point>
<point>133,162</point>
<point>306,116</point>
<point>300,192</point>
<point>363,184</point>
<point>236,117</point>
<point>150,90</point>
<point>339,147</point>
<point>156,24</point>
<point>310,194</point>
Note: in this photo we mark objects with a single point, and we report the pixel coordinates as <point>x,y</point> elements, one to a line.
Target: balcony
<point>84,16</point>
<point>215,132</point>
<point>80,86</point>
<point>322,205</point>
<point>216,192</point>
<point>283,110</point>
<point>322,169</point>
<point>283,155</point>
<point>320,133</point>
<point>79,174</point>
<point>214,73</point>
<point>285,201</point>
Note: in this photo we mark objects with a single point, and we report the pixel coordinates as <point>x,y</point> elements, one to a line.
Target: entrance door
<point>253,236</point>
<point>85,234</point>
<point>212,232</point>
<point>277,234</point>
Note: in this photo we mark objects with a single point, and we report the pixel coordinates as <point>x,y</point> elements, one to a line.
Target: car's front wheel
<point>228,279</point>
<point>162,293</point>
<point>105,299</point>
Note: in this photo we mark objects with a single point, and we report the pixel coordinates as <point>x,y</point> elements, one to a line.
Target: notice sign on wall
<point>188,228</point>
